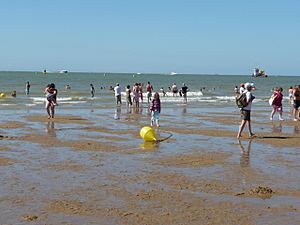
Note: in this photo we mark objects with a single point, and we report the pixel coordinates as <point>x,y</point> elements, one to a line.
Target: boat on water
<point>173,73</point>
<point>259,73</point>
<point>63,71</point>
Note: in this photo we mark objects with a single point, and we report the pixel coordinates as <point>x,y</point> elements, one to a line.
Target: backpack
<point>241,100</point>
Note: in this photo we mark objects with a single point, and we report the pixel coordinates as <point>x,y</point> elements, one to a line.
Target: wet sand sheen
<point>94,174</point>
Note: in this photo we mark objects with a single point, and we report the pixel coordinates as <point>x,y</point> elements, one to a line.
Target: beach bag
<point>271,100</point>
<point>241,100</point>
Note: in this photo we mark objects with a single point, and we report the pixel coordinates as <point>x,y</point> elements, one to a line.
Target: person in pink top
<point>277,103</point>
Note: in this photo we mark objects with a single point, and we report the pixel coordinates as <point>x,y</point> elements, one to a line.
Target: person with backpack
<point>246,110</point>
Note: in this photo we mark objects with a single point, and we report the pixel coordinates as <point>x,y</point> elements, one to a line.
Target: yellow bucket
<point>148,134</point>
<point>2,95</point>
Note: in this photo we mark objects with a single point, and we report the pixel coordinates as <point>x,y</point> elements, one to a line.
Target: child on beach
<point>277,103</point>
<point>155,109</point>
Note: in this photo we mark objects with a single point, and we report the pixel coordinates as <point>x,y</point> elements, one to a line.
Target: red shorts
<point>277,108</point>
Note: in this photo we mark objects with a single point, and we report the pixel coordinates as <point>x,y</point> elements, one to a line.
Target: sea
<point>204,90</point>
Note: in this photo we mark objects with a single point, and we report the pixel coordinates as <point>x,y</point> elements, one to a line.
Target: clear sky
<point>188,36</point>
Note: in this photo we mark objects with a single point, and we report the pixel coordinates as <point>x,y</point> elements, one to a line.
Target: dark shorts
<point>245,114</point>
<point>296,104</point>
<point>118,98</point>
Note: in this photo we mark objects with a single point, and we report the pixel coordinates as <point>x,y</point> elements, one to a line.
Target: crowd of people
<point>134,97</point>
<point>275,102</point>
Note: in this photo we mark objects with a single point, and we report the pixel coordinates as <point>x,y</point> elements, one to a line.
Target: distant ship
<point>259,73</point>
<point>173,73</point>
<point>63,71</point>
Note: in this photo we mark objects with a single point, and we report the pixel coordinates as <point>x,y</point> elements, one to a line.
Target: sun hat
<point>247,85</point>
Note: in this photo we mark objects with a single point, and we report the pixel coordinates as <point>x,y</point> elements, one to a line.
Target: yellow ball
<point>148,134</point>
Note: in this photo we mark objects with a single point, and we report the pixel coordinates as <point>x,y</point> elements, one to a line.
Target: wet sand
<point>97,170</point>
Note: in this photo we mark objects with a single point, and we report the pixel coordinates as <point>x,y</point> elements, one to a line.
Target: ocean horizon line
<point>142,73</point>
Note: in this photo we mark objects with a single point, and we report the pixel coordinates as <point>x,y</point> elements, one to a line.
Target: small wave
<point>7,104</point>
<point>170,94</point>
<point>30,105</point>
<point>71,102</point>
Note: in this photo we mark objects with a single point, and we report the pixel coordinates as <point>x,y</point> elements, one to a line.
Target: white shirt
<point>248,96</point>
<point>117,90</point>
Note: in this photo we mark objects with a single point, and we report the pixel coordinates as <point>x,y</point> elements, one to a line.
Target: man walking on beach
<point>245,111</point>
<point>117,90</point>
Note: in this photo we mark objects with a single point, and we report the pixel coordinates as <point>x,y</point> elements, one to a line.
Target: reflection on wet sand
<point>51,129</point>
<point>150,146</point>
<point>117,113</point>
<point>138,110</point>
<point>184,109</point>
<point>245,153</point>
<point>277,128</point>
<point>297,129</point>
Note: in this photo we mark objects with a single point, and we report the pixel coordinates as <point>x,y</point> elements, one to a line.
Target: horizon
<point>143,73</point>
<point>214,37</point>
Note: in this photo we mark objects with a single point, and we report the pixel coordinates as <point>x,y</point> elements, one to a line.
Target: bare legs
<point>242,126</point>
<point>273,113</point>
<point>296,114</point>
<point>50,108</point>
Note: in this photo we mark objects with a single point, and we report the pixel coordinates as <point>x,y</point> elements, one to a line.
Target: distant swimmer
<point>163,92</point>
<point>27,88</point>
<point>236,90</point>
<point>68,87</point>
<point>242,88</point>
<point>92,89</point>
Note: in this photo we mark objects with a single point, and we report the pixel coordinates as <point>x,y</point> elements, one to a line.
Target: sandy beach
<point>97,170</point>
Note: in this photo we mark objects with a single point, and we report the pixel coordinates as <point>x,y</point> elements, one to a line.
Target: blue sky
<point>213,36</point>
